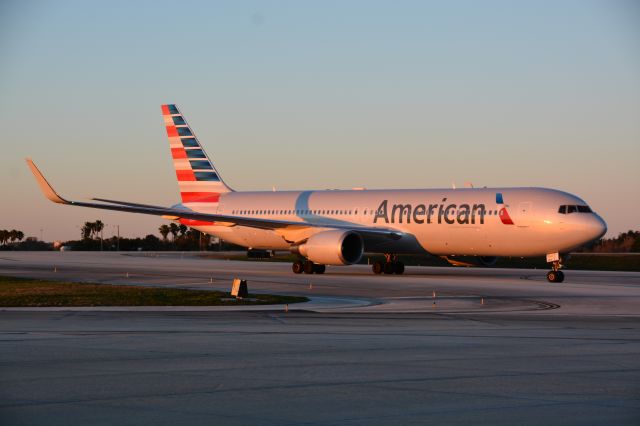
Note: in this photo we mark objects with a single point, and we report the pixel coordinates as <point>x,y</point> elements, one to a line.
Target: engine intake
<point>332,248</point>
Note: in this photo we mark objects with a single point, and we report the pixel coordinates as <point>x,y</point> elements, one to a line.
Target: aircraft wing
<point>177,213</point>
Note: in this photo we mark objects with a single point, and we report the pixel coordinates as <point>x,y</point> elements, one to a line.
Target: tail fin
<point>198,179</point>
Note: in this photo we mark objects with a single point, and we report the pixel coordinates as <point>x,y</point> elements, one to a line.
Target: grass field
<point>20,292</point>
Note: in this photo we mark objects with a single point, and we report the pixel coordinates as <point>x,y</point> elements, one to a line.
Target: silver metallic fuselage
<point>537,226</point>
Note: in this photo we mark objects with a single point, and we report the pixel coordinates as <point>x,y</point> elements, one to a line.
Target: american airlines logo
<point>463,214</point>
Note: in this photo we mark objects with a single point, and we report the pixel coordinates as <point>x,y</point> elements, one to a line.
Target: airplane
<point>336,227</point>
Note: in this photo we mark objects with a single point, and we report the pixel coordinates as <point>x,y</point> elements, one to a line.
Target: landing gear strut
<point>391,265</point>
<point>555,275</point>
<point>308,267</point>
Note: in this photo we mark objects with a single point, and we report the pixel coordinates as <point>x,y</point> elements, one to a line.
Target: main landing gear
<point>308,267</point>
<point>555,275</point>
<point>391,265</point>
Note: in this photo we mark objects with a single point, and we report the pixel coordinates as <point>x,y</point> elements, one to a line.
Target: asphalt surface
<point>493,346</point>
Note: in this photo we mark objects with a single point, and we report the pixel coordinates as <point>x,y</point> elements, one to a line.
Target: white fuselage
<point>436,221</point>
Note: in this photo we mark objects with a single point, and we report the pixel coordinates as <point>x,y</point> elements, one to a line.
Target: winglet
<point>46,188</point>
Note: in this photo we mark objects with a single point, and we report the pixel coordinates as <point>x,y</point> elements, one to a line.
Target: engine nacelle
<point>332,248</point>
<point>488,260</point>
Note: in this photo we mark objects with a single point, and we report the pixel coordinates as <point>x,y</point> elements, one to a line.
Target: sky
<point>316,95</point>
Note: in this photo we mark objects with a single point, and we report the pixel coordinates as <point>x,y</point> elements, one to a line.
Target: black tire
<point>389,268</point>
<point>319,269</point>
<point>378,267</point>
<point>297,267</point>
<point>552,276</point>
<point>560,276</point>
<point>399,268</point>
<point>308,267</point>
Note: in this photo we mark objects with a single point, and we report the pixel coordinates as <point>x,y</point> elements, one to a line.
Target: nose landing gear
<point>555,275</point>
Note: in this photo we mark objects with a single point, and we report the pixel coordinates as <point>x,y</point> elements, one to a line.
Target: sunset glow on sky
<point>314,95</point>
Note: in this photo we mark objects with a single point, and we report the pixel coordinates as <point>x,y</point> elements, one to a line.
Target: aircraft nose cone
<point>597,227</point>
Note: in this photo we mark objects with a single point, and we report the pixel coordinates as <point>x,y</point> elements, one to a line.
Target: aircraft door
<point>524,214</point>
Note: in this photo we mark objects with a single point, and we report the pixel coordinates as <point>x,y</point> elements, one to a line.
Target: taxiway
<point>494,346</point>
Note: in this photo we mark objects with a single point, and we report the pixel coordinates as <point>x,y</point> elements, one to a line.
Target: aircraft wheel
<point>555,276</point>
<point>308,267</point>
<point>378,267</point>
<point>389,267</point>
<point>399,268</point>
<point>297,267</point>
<point>319,269</point>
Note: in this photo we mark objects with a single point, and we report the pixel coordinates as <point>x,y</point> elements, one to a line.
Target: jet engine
<point>332,248</point>
<point>488,260</point>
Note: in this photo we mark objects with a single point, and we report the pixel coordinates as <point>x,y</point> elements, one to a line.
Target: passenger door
<point>524,214</point>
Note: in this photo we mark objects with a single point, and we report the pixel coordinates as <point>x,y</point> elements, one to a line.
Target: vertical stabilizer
<point>198,180</point>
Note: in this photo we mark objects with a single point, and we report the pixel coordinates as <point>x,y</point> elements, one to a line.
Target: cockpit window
<point>567,209</point>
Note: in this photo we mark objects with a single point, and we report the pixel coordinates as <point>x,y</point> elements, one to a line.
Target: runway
<point>494,346</point>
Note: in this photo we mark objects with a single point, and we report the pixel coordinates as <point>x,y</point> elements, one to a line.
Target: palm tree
<point>99,226</point>
<point>13,235</point>
<point>4,235</point>
<point>19,235</point>
<point>173,228</point>
<point>87,230</point>
<point>164,231</point>
<point>183,229</point>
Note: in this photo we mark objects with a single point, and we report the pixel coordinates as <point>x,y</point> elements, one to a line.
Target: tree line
<point>625,242</point>
<point>91,229</point>
<point>182,238</point>
<point>186,238</point>
<point>12,236</point>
